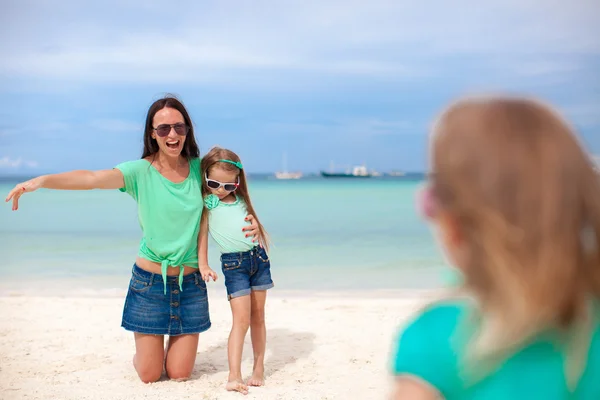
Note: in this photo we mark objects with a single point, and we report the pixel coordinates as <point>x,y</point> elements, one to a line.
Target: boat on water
<point>357,172</point>
<point>396,173</point>
<point>288,175</point>
<point>285,174</point>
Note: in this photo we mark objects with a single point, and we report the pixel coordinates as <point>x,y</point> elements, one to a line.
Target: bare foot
<point>257,379</point>
<point>237,386</point>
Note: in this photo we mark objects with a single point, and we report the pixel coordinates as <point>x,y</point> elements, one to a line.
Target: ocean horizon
<point>406,176</point>
<point>328,235</point>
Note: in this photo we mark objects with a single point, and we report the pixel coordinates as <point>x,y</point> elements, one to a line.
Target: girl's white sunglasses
<point>229,187</point>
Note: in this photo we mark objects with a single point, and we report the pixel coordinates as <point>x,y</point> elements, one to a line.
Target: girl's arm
<point>205,271</point>
<point>412,389</point>
<point>73,180</point>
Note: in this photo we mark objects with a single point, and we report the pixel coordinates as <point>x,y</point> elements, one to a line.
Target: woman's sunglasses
<point>164,129</point>
<point>229,187</point>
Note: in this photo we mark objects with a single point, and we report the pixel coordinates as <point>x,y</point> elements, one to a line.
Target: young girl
<point>246,266</point>
<point>516,206</point>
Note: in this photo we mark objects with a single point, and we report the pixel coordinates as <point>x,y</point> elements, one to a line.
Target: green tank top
<point>169,214</point>
<point>429,348</point>
<point>225,223</point>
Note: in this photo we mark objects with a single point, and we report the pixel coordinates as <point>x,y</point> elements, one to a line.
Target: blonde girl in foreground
<point>245,265</point>
<point>515,202</point>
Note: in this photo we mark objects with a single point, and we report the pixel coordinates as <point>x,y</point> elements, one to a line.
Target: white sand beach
<point>319,347</point>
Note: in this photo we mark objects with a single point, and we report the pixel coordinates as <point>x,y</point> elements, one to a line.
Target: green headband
<point>236,163</point>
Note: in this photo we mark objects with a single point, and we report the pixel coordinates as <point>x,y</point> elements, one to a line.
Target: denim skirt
<point>150,311</point>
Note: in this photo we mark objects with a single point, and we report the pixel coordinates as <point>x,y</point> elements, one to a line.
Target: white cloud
<point>223,40</point>
<point>188,62</point>
<point>4,132</point>
<point>116,126</point>
<point>543,66</point>
<point>585,115</point>
<point>345,128</point>
<point>55,130</point>
<point>14,163</point>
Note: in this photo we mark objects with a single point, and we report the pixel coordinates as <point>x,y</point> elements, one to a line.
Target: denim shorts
<point>246,271</point>
<point>148,310</point>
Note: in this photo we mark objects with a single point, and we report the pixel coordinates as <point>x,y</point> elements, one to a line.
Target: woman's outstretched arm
<point>73,180</point>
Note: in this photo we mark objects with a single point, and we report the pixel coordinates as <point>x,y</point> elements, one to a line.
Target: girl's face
<point>447,230</point>
<point>224,179</point>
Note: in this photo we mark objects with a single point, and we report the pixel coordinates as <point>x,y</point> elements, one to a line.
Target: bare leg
<point>240,309</point>
<point>258,332</point>
<point>149,355</point>
<point>181,356</point>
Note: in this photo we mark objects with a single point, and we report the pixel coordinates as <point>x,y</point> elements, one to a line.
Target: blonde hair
<point>212,160</point>
<point>526,199</point>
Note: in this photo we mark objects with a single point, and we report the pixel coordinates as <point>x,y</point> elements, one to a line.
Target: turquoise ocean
<point>328,235</point>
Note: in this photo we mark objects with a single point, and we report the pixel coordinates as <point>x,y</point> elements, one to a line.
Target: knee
<point>258,317</point>
<point>242,322</point>
<point>149,374</point>
<point>179,373</point>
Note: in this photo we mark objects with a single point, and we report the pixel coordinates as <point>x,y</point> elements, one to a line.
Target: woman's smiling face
<point>171,144</point>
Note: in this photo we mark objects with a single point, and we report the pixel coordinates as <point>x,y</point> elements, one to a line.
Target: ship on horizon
<point>396,173</point>
<point>357,172</point>
<point>285,174</point>
<point>288,175</point>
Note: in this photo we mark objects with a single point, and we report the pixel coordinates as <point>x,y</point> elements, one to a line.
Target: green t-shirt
<point>169,214</point>
<point>428,349</point>
<point>225,223</point>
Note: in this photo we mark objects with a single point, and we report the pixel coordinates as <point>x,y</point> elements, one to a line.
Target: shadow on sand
<point>284,347</point>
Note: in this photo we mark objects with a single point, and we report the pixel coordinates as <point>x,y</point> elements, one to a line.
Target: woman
<point>167,295</point>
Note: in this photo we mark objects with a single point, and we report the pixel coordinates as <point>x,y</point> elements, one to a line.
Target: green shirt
<point>169,214</point>
<point>428,349</point>
<point>225,223</point>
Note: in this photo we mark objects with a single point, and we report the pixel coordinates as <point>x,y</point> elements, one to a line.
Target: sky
<point>324,81</point>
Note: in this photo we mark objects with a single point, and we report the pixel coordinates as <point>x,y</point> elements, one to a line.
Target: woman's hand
<point>23,187</point>
<point>252,229</point>
<point>207,273</point>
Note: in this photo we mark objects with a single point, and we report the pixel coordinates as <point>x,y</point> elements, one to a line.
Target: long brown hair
<point>526,198</point>
<point>211,160</point>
